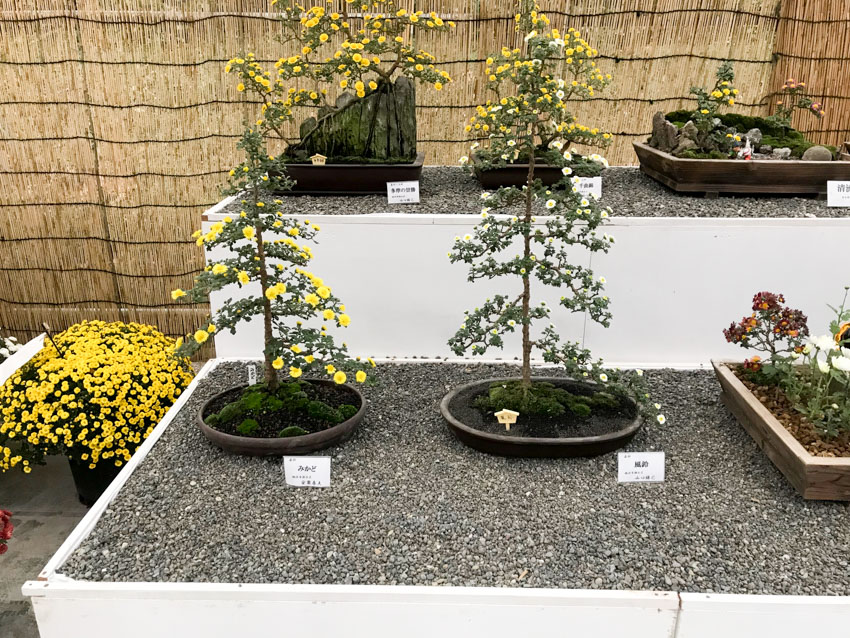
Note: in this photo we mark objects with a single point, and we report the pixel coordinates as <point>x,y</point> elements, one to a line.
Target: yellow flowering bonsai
<point>364,49</point>
<point>270,255</point>
<point>538,249</point>
<point>94,396</point>
<point>533,85</point>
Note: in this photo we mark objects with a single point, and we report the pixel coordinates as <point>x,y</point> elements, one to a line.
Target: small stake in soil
<point>507,417</point>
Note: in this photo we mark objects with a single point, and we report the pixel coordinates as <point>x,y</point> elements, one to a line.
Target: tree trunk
<point>526,282</point>
<point>271,373</point>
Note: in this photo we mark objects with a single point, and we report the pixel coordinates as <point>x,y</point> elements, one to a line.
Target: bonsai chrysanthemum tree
<point>528,112</point>
<point>530,118</point>
<point>365,48</point>
<point>281,290</point>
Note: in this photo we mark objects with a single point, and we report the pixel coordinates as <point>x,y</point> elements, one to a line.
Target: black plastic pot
<point>282,446</point>
<point>350,179</point>
<point>91,483</point>
<point>504,445</point>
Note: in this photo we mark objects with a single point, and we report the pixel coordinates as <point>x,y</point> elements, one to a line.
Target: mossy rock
<point>774,134</point>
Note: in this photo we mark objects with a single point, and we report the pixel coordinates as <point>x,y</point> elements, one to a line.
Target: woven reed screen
<point>117,123</point>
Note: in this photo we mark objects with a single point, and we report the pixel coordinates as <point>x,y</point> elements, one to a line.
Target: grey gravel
<point>410,505</point>
<point>630,193</point>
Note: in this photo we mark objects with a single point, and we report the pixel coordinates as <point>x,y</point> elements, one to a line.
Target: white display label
<point>252,374</point>
<point>837,193</point>
<point>307,471</point>
<point>403,192</point>
<point>640,467</point>
<point>590,186</point>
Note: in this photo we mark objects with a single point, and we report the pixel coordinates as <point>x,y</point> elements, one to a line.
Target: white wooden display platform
<point>675,284</point>
<point>67,608</point>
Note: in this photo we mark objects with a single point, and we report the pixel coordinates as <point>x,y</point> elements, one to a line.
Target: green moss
<point>773,134</point>
<point>698,155</point>
<point>543,399</point>
<point>248,427</point>
<point>292,430</point>
<point>290,398</point>
<point>347,411</point>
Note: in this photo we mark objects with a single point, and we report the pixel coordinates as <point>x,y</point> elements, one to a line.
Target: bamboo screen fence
<point>117,123</point>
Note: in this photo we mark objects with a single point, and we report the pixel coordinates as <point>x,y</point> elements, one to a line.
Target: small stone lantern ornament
<point>507,417</point>
<point>318,159</point>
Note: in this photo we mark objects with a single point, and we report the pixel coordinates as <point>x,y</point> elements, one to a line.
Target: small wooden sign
<point>507,417</point>
<point>318,159</point>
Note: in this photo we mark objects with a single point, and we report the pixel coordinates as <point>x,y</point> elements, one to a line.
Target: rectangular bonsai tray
<point>788,177</point>
<point>351,179</point>
<point>814,477</point>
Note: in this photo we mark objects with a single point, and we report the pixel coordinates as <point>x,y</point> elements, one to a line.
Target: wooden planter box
<point>712,177</point>
<point>814,477</point>
<point>351,179</point>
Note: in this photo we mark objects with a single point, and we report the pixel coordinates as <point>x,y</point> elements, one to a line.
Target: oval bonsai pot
<point>282,446</point>
<point>504,445</point>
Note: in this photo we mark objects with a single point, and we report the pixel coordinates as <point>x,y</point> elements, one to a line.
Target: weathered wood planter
<point>280,446</point>
<point>814,477</point>
<point>712,177</point>
<point>350,179</point>
<point>526,446</point>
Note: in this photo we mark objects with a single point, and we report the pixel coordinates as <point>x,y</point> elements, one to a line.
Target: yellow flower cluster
<point>97,400</point>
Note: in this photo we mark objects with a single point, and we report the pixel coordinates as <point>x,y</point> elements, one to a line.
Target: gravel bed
<point>410,505</point>
<point>630,193</point>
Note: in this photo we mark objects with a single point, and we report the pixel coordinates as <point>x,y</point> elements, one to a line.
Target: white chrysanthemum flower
<point>567,170</point>
<point>498,107</point>
<point>602,280</point>
<point>603,378</point>
<point>841,363</point>
<point>661,419</point>
<point>604,214</point>
<point>568,156</point>
<point>657,406</point>
<point>584,202</point>
<point>511,143</point>
<point>464,159</point>
<point>550,203</point>
<point>512,323</point>
<point>530,35</point>
<point>474,146</point>
<point>639,373</point>
<point>457,237</point>
<point>485,195</point>
<point>575,180</point>
<point>824,342</point>
<point>823,366</point>
<point>467,237</point>
<point>557,144</point>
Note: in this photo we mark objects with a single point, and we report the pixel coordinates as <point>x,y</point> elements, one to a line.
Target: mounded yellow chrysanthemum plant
<point>94,400</point>
<point>269,258</point>
<point>361,48</point>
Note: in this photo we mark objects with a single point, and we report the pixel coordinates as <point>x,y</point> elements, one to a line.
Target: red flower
<point>6,533</point>
<point>3,548</point>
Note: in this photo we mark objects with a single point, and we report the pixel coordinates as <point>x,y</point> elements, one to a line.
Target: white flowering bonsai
<point>533,87</point>
<point>528,114</point>
<point>270,258</point>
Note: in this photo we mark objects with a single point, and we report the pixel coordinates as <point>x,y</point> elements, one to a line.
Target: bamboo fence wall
<point>117,122</point>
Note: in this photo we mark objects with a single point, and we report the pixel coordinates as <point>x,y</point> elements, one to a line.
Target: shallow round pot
<point>532,446</point>
<point>282,446</point>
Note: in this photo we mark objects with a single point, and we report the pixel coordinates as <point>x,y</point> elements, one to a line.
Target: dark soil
<point>271,423</point>
<point>774,399</point>
<point>566,425</point>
